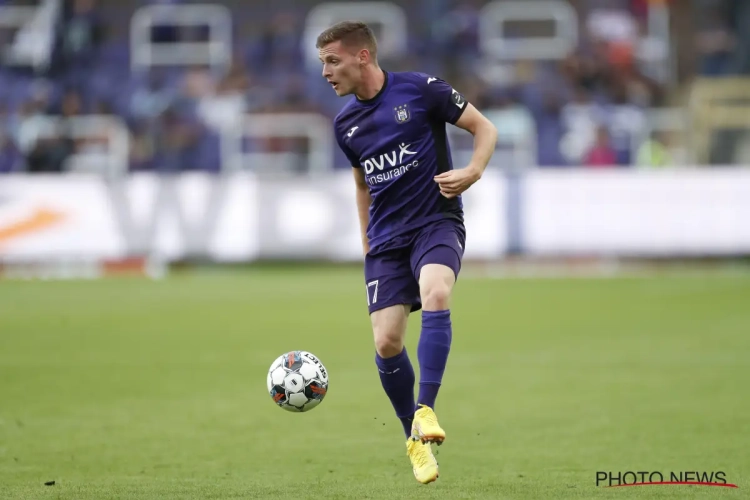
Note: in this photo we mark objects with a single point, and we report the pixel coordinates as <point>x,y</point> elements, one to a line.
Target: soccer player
<point>411,215</point>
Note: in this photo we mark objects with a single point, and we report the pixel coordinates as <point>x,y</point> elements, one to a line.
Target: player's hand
<point>455,182</point>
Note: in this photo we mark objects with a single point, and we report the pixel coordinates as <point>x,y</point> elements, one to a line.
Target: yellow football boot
<point>423,462</point>
<point>426,427</point>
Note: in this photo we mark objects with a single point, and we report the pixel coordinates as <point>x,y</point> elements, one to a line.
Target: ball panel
<point>308,371</point>
<point>297,399</point>
<point>294,383</point>
<point>315,390</point>
<point>277,376</point>
<point>293,361</point>
<point>278,394</point>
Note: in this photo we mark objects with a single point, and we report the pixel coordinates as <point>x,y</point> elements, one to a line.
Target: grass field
<point>131,389</point>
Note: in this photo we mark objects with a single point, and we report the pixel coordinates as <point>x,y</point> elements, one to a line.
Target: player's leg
<point>391,293</point>
<point>394,366</point>
<point>438,261</point>
<point>436,285</point>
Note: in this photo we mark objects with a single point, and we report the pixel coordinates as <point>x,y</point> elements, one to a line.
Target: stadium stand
<point>124,85</point>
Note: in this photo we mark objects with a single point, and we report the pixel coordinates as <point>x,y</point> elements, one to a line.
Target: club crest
<point>402,113</point>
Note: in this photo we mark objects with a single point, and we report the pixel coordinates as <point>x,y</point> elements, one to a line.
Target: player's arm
<point>485,138</point>
<point>455,182</point>
<point>448,105</point>
<point>363,205</point>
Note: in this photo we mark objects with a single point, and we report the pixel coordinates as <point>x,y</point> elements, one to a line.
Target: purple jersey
<point>398,137</point>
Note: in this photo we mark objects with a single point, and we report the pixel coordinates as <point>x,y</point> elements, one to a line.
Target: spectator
<point>714,43</point>
<point>151,100</point>
<point>81,34</point>
<point>602,154</point>
<point>653,152</point>
<point>579,119</point>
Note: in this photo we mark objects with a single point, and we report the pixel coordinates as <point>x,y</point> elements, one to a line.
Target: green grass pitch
<point>131,389</point>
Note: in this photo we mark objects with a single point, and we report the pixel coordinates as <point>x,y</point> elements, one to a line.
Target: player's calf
<point>394,367</point>
<point>436,284</point>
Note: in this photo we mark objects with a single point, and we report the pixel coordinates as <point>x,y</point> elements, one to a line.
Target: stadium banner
<point>187,216</point>
<point>243,217</point>
<point>649,213</point>
<point>80,217</point>
<point>234,218</point>
<point>56,217</point>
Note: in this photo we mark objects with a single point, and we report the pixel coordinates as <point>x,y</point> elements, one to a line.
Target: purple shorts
<point>392,274</point>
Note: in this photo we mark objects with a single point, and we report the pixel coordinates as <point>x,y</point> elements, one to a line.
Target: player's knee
<point>436,297</point>
<point>388,344</point>
<point>389,328</point>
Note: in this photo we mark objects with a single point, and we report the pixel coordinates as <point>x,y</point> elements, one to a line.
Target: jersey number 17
<point>372,292</point>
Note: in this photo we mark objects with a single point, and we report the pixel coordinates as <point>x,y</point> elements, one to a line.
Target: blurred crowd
<point>584,109</point>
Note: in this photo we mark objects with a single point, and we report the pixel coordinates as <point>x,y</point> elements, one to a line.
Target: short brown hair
<point>351,33</point>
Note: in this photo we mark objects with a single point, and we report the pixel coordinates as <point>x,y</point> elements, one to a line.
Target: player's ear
<point>363,56</point>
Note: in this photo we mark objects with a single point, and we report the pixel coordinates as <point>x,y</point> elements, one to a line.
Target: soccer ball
<point>297,381</point>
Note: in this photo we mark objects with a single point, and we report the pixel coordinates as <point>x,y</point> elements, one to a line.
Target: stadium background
<point>159,139</point>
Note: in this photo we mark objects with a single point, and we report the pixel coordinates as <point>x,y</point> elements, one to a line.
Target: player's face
<point>341,67</point>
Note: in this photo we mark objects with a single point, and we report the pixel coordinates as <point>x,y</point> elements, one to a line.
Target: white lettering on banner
<point>309,218</point>
<point>670,212</point>
<point>192,215</point>
<point>81,216</point>
<point>304,217</point>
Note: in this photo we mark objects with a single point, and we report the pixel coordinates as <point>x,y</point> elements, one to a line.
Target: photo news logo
<point>609,479</point>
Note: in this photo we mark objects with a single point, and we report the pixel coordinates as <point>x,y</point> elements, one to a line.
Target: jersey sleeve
<point>443,101</point>
<point>350,155</point>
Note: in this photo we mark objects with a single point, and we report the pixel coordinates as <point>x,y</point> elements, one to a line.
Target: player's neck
<point>373,80</point>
